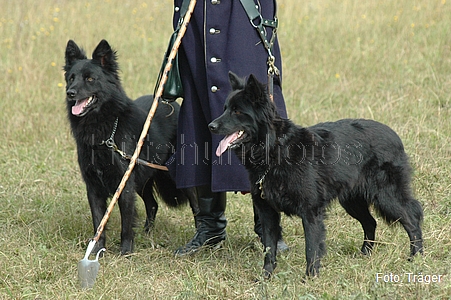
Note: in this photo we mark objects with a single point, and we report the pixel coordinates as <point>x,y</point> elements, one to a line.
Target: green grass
<point>386,60</point>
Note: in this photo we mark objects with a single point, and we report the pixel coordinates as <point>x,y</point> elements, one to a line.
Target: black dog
<point>299,171</point>
<point>103,117</point>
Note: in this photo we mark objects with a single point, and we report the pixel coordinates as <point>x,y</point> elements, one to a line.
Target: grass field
<point>385,60</point>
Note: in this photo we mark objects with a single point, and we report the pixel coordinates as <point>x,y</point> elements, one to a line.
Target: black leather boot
<point>208,209</point>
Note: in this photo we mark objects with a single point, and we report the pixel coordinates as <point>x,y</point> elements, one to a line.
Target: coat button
<point>214,2</point>
<point>214,89</point>
<point>214,31</point>
<point>176,8</point>
<point>215,60</point>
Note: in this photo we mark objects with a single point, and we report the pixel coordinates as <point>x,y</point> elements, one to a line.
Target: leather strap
<point>251,10</point>
<point>259,23</point>
<point>183,10</point>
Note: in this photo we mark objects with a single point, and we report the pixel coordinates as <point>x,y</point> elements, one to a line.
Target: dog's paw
<point>126,247</point>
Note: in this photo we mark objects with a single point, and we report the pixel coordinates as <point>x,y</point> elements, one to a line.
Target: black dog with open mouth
<point>299,171</point>
<point>101,117</point>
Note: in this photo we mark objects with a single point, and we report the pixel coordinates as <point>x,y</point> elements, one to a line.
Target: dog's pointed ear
<point>236,82</point>
<point>105,56</point>
<point>255,88</point>
<point>73,53</point>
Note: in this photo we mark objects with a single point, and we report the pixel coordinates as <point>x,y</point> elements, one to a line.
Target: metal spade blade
<point>88,269</point>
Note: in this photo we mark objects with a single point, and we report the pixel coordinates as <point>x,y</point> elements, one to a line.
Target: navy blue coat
<point>219,39</point>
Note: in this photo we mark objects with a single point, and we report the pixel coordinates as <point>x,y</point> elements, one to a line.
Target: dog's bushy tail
<point>166,188</point>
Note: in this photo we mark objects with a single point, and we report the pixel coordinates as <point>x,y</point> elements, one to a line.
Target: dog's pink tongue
<point>78,107</point>
<point>225,142</point>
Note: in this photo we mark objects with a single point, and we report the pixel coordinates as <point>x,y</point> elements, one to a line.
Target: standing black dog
<point>102,117</point>
<point>299,171</point>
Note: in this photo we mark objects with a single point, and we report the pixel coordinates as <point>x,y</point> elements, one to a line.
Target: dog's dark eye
<point>235,111</point>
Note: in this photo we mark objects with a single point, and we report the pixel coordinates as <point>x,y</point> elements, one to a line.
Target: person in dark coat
<point>218,39</point>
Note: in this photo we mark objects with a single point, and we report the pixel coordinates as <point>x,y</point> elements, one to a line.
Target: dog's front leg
<point>315,246</point>
<point>97,203</point>
<point>128,215</point>
<point>272,232</point>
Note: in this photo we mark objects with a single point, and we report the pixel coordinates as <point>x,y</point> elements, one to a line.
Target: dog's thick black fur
<point>95,100</point>
<point>299,171</point>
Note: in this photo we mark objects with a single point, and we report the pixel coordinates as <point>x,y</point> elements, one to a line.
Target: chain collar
<point>112,145</point>
<point>110,142</point>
